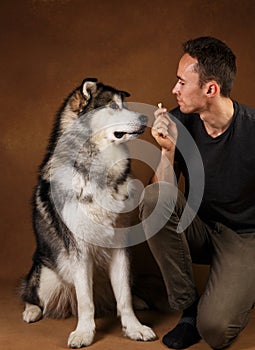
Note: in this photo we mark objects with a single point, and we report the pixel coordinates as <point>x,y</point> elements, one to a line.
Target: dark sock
<point>189,315</point>
<point>185,332</point>
<point>191,311</point>
<point>182,336</point>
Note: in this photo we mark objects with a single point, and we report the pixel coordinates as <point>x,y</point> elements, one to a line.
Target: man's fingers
<point>164,120</point>
<point>160,110</point>
<point>162,131</point>
<point>160,126</point>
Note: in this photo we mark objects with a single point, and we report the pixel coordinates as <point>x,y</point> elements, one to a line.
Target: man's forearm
<point>165,170</point>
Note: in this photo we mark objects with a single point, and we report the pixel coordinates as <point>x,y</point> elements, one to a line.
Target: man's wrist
<point>169,153</point>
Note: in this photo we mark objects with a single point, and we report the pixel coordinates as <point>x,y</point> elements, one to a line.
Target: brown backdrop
<point>48,47</point>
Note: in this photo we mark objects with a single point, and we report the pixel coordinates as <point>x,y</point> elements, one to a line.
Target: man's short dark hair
<point>216,62</point>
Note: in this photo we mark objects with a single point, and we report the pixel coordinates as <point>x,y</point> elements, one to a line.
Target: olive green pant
<point>229,296</point>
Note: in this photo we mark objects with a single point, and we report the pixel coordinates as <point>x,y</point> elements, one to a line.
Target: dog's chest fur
<point>100,197</point>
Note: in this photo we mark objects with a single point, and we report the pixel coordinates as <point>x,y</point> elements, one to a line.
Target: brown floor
<point>52,334</point>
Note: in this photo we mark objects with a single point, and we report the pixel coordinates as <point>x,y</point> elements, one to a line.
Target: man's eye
<point>181,82</point>
<point>114,106</point>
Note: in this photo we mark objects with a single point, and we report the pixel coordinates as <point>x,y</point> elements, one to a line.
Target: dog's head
<point>103,107</point>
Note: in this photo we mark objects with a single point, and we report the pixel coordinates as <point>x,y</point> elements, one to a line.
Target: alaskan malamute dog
<point>82,196</point>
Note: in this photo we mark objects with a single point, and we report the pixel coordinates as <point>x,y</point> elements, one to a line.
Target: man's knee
<point>216,329</point>
<point>156,195</point>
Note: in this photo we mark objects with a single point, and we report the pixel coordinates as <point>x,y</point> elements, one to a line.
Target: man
<point>222,233</point>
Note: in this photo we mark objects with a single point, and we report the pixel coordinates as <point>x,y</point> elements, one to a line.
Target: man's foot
<point>182,336</point>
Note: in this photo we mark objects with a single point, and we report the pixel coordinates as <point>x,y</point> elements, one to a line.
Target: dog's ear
<point>88,87</point>
<point>81,96</point>
<point>124,94</point>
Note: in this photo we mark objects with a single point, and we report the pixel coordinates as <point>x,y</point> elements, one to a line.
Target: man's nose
<point>175,89</point>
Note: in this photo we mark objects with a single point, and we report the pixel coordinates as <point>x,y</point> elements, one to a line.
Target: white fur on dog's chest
<point>94,210</point>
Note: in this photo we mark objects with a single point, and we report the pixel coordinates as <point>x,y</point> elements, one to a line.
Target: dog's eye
<point>114,106</point>
<point>119,134</point>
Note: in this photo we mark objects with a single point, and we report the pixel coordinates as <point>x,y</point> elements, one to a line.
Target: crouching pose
<point>222,231</point>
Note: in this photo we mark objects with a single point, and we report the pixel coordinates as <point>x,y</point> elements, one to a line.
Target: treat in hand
<point>160,106</point>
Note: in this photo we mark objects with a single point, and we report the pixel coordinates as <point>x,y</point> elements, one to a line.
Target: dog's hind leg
<point>29,294</point>
<point>119,275</point>
<point>56,295</point>
<point>45,294</point>
<point>32,313</point>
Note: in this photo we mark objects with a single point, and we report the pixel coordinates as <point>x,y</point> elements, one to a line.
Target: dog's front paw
<point>78,339</point>
<point>140,332</point>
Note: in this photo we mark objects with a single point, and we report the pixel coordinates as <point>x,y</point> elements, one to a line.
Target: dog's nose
<point>143,119</point>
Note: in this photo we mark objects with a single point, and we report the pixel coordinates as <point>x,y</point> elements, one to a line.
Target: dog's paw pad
<point>78,339</point>
<point>142,333</point>
<point>32,313</point>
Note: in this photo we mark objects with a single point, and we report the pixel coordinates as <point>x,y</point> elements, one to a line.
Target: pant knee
<point>156,195</point>
<point>149,200</point>
<point>217,332</point>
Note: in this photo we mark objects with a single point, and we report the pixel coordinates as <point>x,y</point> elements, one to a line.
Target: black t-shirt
<point>229,169</point>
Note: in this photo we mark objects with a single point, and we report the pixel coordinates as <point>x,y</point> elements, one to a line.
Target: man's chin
<point>185,109</point>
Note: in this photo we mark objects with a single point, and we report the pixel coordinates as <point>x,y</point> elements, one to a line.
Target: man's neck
<point>218,116</point>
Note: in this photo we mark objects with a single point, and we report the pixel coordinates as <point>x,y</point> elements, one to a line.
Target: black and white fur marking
<point>81,195</point>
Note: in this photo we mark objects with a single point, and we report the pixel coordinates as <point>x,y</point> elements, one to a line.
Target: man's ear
<point>212,88</point>
<point>89,87</point>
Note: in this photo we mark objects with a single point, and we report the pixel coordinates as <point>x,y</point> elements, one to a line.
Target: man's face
<point>190,96</point>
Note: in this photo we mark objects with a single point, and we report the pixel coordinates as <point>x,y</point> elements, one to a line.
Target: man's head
<point>206,70</point>
<point>215,61</point>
